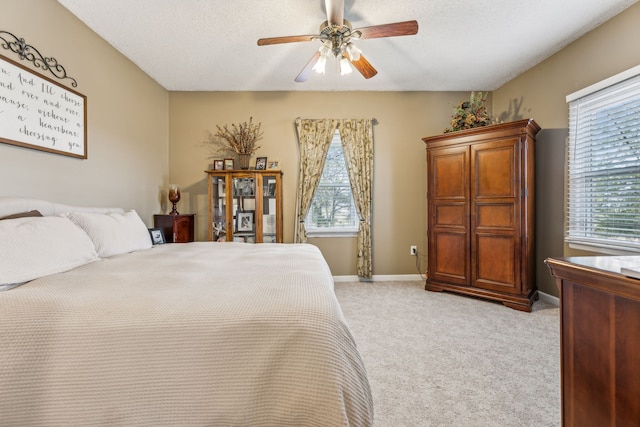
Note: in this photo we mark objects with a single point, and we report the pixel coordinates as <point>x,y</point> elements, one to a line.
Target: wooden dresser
<point>600,340</point>
<point>480,205</point>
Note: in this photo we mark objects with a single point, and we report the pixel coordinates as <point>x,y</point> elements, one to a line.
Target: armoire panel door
<point>494,169</point>
<point>448,187</point>
<point>496,267</point>
<point>495,225</point>
<point>449,173</point>
<point>450,257</point>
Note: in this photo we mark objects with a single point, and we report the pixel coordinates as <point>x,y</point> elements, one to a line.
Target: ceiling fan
<point>337,36</point>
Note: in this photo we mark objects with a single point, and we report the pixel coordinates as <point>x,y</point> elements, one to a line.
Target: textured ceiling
<point>461,45</point>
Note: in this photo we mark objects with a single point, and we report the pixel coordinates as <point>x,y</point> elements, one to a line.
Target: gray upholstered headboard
<point>14,205</point>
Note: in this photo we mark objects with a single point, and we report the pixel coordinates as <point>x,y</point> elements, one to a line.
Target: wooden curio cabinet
<point>480,204</point>
<point>245,206</point>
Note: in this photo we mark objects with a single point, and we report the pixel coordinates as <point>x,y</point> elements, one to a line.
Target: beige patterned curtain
<point>357,145</point>
<point>314,138</point>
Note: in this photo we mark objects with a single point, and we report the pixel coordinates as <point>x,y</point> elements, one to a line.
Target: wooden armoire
<point>480,207</point>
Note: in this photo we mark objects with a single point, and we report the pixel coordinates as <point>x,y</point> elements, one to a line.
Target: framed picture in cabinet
<point>243,187</point>
<point>244,220</point>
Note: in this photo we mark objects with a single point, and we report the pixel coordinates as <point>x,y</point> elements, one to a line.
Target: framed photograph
<point>228,164</point>
<point>268,187</point>
<point>244,220</point>
<point>273,164</point>
<point>243,187</point>
<point>261,163</point>
<point>218,165</point>
<point>248,187</point>
<point>157,236</point>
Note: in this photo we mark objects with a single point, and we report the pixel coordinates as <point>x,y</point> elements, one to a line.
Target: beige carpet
<point>439,359</point>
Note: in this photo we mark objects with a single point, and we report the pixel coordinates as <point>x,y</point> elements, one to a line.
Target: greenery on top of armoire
<point>470,114</point>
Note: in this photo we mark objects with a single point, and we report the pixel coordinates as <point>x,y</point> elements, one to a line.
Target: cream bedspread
<point>183,335</point>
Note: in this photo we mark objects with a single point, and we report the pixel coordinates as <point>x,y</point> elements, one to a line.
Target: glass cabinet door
<point>244,209</point>
<point>269,209</point>
<point>219,208</point>
<point>245,206</point>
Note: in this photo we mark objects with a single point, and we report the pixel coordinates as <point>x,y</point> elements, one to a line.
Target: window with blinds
<point>604,165</point>
<point>333,210</point>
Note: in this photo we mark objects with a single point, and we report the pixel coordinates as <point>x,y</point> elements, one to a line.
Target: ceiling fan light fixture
<point>336,34</point>
<point>345,67</point>
<point>325,50</point>
<point>320,65</point>
<point>353,52</point>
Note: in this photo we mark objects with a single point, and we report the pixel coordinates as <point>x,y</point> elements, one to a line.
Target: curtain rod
<point>374,121</point>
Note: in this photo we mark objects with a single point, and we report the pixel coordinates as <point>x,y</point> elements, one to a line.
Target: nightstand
<point>176,228</point>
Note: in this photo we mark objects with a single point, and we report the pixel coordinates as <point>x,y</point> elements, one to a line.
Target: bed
<point>202,333</point>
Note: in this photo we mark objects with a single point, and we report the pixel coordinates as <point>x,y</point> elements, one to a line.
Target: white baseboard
<point>380,278</point>
<point>549,299</point>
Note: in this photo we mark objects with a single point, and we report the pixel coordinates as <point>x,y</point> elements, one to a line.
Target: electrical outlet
<point>413,250</point>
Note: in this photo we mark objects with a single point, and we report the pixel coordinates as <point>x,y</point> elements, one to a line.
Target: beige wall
<point>601,53</point>
<point>541,93</point>
<point>399,199</point>
<point>127,121</point>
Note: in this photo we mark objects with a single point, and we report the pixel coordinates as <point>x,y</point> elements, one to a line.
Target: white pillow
<point>33,247</point>
<point>114,233</point>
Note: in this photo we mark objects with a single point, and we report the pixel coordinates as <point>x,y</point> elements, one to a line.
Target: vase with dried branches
<point>240,139</point>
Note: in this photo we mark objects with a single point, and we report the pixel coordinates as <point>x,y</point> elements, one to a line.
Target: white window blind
<point>333,210</point>
<point>604,166</point>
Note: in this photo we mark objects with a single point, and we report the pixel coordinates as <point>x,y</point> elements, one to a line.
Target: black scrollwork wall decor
<point>27,52</point>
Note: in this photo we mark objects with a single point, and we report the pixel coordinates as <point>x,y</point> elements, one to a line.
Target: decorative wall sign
<point>37,112</point>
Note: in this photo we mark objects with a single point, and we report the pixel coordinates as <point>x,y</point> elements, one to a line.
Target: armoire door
<point>495,218</point>
<point>448,187</point>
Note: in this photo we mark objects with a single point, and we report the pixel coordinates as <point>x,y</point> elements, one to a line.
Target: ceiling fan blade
<point>335,12</point>
<point>364,67</point>
<point>306,71</point>
<point>405,28</point>
<point>286,39</point>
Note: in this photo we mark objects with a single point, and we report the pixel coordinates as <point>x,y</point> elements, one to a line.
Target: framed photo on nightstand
<point>157,236</point>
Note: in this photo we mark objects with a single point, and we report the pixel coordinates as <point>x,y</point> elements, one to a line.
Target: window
<point>604,166</point>
<point>333,210</point>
